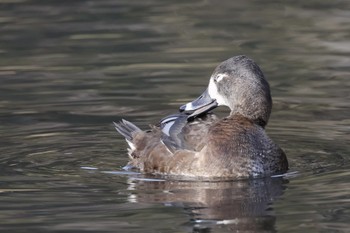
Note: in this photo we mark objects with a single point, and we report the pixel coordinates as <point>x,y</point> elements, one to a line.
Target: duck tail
<point>127,129</point>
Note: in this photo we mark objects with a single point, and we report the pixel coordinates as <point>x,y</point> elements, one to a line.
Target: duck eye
<point>218,78</point>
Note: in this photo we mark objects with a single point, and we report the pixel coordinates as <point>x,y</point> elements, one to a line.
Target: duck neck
<point>260,122</point>
<point>257,120</point>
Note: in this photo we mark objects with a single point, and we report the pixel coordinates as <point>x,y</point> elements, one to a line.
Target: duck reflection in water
<point>198,145</point>
<point>244,205</point>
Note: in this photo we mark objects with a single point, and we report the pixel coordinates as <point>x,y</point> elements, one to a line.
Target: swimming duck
<point>196,143</point>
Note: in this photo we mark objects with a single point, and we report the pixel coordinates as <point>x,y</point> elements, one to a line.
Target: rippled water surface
<point>70,68</point>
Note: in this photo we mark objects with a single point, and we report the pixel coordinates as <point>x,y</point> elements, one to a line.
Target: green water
<point>70,68</point>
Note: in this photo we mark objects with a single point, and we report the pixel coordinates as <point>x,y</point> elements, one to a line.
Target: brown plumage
<point>196,143</point>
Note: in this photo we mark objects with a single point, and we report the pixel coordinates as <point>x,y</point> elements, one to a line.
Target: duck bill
<point>203,104</point>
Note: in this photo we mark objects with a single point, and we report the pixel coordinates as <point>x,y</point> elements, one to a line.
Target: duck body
<point>196,143</point>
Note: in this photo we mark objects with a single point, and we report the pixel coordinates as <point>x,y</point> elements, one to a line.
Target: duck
<point>196,143</point>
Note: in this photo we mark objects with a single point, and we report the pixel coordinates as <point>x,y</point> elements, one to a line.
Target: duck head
<point>239,84</point>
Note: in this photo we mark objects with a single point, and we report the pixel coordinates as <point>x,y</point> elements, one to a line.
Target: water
<point>70,68</point>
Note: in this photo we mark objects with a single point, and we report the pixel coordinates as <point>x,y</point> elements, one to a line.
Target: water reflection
<point>237,206</point>
<point>70,68</point>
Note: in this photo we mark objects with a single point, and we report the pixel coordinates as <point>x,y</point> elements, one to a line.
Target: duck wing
<point>180,133</point>
<point>171,127</point>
